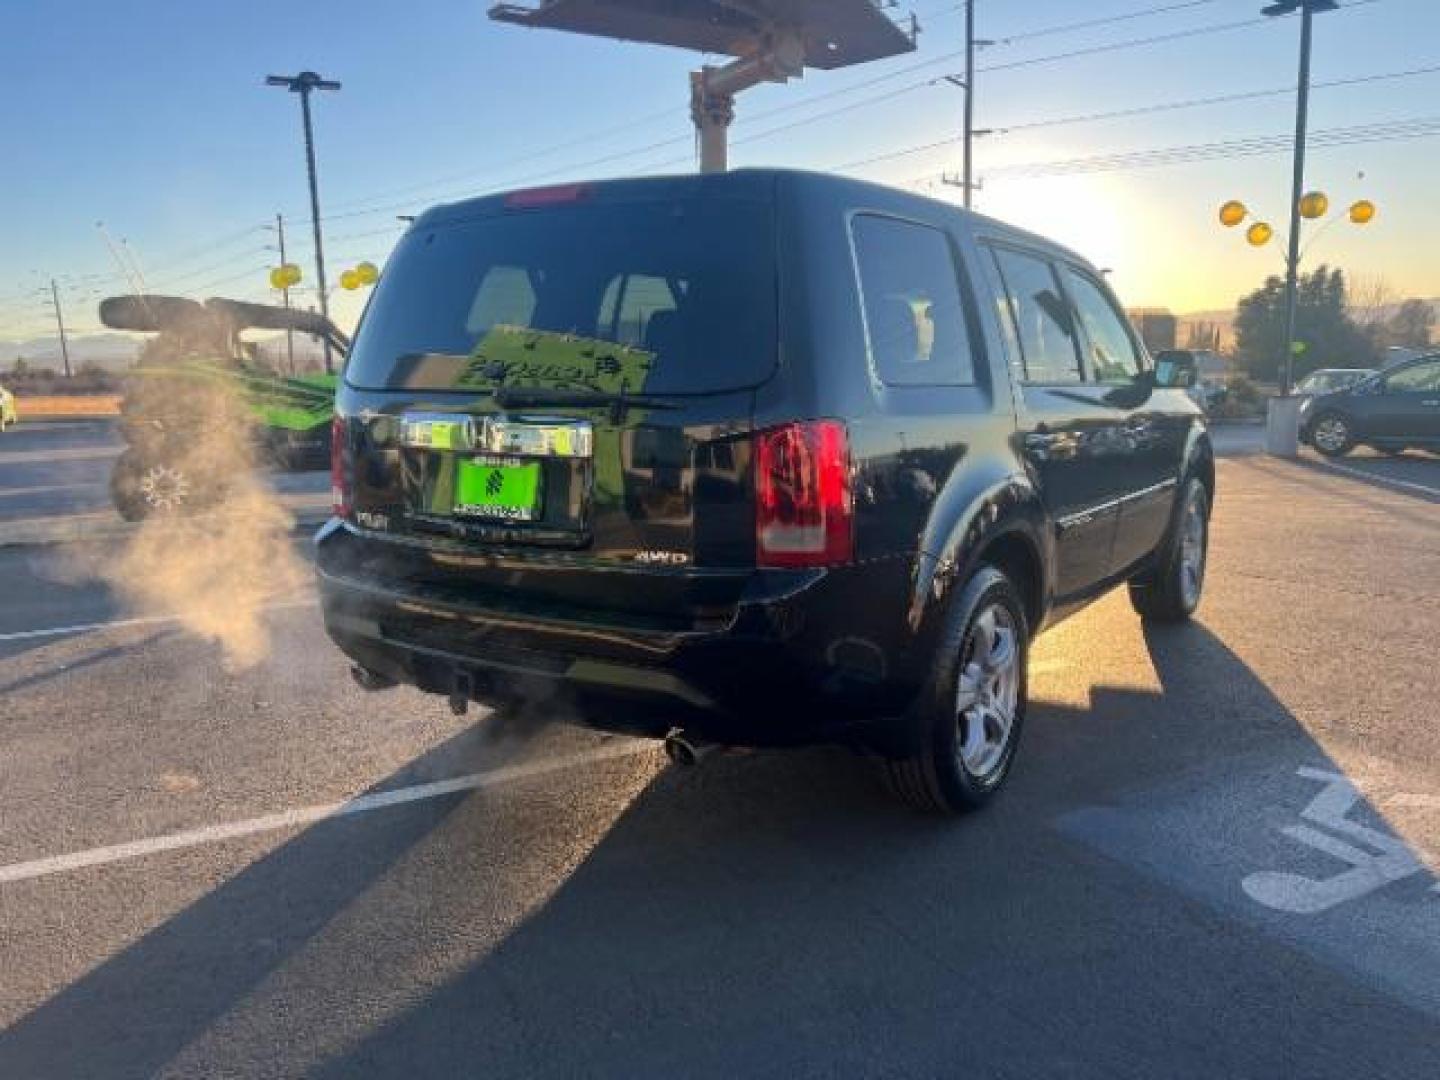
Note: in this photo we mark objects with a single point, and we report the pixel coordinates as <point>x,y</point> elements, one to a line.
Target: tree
<point>1331,338</point>
<point>1411,326</point>
<point>1370,301</point>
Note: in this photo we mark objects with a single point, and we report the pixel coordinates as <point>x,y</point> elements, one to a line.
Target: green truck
<point>200,405</point>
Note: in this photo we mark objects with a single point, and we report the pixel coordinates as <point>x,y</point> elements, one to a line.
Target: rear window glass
<point>913,313</point>
<point>663,297</point>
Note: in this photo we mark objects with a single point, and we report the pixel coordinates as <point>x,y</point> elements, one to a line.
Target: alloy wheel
<point>1192,551</point>
<point>165,489</point>
<point>1331,435</point>
<point>988,691</point>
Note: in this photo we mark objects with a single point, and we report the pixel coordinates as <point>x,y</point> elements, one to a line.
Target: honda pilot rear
<point>546,469</point>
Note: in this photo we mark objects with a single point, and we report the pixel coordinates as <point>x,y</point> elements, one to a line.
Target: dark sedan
<point>1393,411</point>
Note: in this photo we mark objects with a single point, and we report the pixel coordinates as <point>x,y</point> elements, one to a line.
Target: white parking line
<point>306,815</point>
<point>1361,474</point>
<point>117,624</point>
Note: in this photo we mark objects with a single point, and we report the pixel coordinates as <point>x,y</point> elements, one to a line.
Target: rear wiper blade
<point>539,397</point>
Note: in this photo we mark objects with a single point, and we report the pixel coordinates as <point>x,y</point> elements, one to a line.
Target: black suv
<point>1392,411</point>
<point>762,458</point>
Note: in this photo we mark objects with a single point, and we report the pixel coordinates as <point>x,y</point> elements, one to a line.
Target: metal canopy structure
<point>770,40</point>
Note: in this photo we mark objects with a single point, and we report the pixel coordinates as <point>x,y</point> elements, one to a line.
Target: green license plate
<point>498,488</point>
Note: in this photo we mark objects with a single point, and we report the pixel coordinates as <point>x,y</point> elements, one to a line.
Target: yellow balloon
<point>350,280</point>
<point>1233,213</point>
<point>1363,212</point>
<point>1259,234</point>
<point>1314,205</point>
<point>368,273</point>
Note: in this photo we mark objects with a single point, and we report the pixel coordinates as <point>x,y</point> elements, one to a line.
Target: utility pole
<point>968,181</point>
<point>60,322</point>
<point>285,293</point>
<point>303,84</point>
<point>1308,10</point>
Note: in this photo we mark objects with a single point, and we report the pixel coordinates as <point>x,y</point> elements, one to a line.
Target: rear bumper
<point>799,657</point>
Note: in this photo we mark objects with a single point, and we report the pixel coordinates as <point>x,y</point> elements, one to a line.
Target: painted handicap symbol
<point>1390,860</point>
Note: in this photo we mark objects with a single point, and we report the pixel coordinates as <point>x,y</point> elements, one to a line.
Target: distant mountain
<point>111,352</point>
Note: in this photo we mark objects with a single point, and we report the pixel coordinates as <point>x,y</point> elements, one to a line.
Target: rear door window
<point>1040,318</point>
<point>914,317</point>
<point>662,296</point>
<point>1111,353</point>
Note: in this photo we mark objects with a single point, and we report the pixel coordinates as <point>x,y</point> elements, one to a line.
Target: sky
<point>152,118</point>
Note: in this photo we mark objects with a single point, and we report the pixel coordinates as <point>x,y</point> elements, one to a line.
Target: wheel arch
<point>1003,524</point>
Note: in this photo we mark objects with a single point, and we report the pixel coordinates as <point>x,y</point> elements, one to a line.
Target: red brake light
<point>339,476</point>
<point>804,510</point>
<point>546,196</point>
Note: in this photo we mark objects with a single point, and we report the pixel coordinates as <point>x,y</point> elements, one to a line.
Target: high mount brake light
<point>804,509</point>
<point>547,196</point>
<point>339,469</point>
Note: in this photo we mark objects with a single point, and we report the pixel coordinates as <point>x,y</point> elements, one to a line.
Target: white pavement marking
<point>142,620</point>
<point>1361,474</point>
<point>59,453</point>
<point>307,815</point>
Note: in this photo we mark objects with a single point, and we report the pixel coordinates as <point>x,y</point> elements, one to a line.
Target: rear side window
<point>1112,356</point>
<point>1422,378</point>
<point>674,296</point>
<point>914,318</point>
<point>1040,318</point>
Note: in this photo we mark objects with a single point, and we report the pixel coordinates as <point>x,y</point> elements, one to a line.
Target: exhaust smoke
<point>215,546</point>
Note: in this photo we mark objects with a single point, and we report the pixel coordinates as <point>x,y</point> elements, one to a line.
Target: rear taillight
<point>804,511</point>
<point>339,469</point>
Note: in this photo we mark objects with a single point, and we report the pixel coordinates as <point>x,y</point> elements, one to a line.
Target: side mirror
<point>1175,369</point>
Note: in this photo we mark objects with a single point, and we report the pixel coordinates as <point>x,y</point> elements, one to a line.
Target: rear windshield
<point>675,296</point>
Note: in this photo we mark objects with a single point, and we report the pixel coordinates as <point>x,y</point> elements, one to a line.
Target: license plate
<point>498,488</point>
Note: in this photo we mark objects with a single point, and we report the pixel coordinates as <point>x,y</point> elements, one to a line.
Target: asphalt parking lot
<point>1217,858</point>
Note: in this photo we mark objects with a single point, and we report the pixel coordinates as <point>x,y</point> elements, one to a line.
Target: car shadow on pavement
<point>99,656</point>
<point>777,915</point>
<point>765,914</point>
<point>136,1011</point>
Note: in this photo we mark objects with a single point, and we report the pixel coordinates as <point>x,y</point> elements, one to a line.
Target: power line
<point>1143,110</point>
<point>1222,99</point>
<point>360,210</point>
<point>1401,130</point>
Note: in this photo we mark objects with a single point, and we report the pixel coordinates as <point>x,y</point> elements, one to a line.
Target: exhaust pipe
<point>371,681</point>
<point>684,751</point>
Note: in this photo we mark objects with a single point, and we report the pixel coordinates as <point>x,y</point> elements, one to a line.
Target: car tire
<point>1332,435</point>
<point>1171,591</point>
<point>125,487</point>
<point>968,720</point>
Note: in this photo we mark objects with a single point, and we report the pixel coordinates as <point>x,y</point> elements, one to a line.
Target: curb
<point>87,528</point>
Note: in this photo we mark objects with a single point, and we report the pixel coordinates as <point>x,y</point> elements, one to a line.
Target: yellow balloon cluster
<point>1363,212</point>
<point>365,273</point>
<point>1233,213</point>
<point>285,277</point>
<point>1259,234</point>
<point>1314,205</point>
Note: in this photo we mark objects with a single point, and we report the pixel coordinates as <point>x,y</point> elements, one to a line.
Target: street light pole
<point>968,181</point>
<point>1307,9</point>
<point>285,294</point>
<point>60,322</point>
<point>303,84</point>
